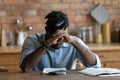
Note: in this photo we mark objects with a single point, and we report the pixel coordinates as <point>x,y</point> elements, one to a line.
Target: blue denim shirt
<point>63,57</point>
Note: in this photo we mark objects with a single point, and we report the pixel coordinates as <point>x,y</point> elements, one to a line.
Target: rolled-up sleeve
<point>28,47</point>
<point>98,62</point>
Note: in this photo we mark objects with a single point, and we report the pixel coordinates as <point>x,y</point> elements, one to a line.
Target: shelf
<point>10,49</point>
<point>104,46</point>
<point>93,47</point>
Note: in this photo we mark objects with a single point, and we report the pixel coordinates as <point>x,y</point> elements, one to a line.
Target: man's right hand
<point>55,37</point>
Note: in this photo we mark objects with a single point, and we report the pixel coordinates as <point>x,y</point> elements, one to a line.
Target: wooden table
<point>71,75</point>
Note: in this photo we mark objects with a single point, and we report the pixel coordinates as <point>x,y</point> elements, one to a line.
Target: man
<point>56,48</point>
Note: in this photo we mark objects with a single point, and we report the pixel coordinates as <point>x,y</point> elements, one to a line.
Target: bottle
<point>119,35</point>
<point>10,37</point>
<point>21,37</point>
<point>116,32</point>
<point>82,33</point>
<point>3,35</point>
<point>89,35</point>
<point>106,33</point>
<point>98,34</point>
<point>119,32</point>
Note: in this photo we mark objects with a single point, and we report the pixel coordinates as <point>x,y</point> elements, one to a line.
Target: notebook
<point>101,71</point>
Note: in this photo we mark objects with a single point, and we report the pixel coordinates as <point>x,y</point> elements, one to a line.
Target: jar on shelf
<point>106,33</point>
<point>98,33</point>
<point>86,34</point>
<point>89,35</point>
<point>10,37</point>
<point>115,36</point>
<point>119,35</point>
<point>82,33</point>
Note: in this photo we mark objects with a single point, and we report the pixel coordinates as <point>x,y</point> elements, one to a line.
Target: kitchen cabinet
<point>9,57</point>
<point>109,54</point>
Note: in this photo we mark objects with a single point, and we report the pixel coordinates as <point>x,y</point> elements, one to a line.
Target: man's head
<point>56,20</point>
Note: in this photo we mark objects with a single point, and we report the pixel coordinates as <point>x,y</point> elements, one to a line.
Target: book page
<point>100,71</point>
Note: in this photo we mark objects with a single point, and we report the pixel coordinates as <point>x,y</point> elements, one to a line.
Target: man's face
<point>59,43</point>
<point>60,40</point>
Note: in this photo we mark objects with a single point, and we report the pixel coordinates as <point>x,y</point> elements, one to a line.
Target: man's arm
<point>32,59</point>
<point>33,55</point>
<point>86,53</point>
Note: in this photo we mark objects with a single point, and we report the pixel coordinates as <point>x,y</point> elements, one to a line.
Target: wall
<point>34,11</point>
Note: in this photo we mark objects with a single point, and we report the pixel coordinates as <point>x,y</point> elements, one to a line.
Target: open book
<point>100,71</point>
<point>54,71</point>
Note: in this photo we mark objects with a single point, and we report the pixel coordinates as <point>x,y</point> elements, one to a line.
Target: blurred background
<point>94,21</point>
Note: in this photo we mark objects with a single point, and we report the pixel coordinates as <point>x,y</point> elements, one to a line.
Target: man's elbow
<point>24,69</point>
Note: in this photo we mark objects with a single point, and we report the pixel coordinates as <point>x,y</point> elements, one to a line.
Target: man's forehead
<point>64,29</point>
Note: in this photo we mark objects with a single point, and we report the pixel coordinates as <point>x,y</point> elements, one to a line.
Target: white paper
<point>101,71</point>
<point>55,70</point>
<point>109,75</point>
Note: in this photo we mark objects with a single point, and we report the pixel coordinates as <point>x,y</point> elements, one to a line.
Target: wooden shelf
<point>109,55</point>
<point>10,49</point>
<point>9,57</point>
<point>93,47</point>
<point>104,46</point>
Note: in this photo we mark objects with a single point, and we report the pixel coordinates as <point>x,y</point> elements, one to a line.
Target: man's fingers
<point>58,32</point>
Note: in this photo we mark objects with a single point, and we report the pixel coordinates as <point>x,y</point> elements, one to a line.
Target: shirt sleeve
<point>98,63</point>
<point>30,44</point>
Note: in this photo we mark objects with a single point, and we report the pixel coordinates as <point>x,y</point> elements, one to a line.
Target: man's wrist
<point>45,48</point>
<point>44,45</point>
<point>73,42</point>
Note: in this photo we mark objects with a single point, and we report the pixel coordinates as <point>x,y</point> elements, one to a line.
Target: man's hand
<point>68,38</point>
<point>54,38</point>
<point>58,37</point>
